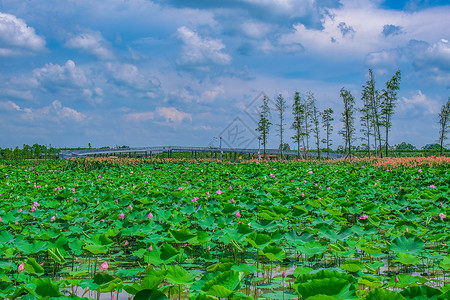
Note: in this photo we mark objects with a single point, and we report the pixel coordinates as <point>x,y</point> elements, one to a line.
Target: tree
<point>403,146</point>
<point>348,119</point>
<point>298,110</point>
<point>280,107</point>
<point>264,124</point>
<point>444,123</point>
<point>315,114</point>
<point>307,118</point>
<point>389,96</point>
<point>326,124</point>
<point>368,96</point>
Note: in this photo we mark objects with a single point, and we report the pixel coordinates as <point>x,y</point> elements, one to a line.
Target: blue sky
<point>176,72</point>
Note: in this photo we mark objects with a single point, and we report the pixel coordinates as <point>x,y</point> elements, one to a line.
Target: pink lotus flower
<point>180,188</point>
<point>73,190</point>
<point>150,215</point>
<point>218,192</point>
<point>104,266</point>
<point>407,230</point>
<point>209,247</point>
<point>432,186</point>
<point>126,243</point>
<point>363,217</point>
<point>238,214</point>
<point>21,267</point>
<point>150,248</point>
<point>303,194</point>
<point>420,170</point>
<point>232,200</point>
<point>0,219</point>
<point>113,297</point>
<point>396,279</point>
<point>53,219</point>
<point>122,216</point>
<point>283,275</point>
<point>130,207</point>
<point>207,194</point>
<point>195,199</point>
<point>442,216</point>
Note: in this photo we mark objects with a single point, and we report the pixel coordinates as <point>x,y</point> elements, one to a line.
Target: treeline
<point>37,151</point>
<point>313,128</point>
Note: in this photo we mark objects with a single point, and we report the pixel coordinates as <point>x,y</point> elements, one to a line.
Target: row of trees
<point>35,151</point>
<point>378,108</point>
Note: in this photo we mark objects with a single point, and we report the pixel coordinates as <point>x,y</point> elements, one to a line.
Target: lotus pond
<point>161,229</point>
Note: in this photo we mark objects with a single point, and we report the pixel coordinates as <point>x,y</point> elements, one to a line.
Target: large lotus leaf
<point>327,286</point>
<point>410,245</point>
<point>230,280</point>
<point>274,253</point>
<point>320,297</point>
<point>445,263</point>
<point>246,269</point>
<point>258,240</point>
<point>352,265</point>
<point>182,236</point>
<point>47,288</point>
<point>280,295</point>
<point>405,280</point>
<point>382,294</point>
<point>33,267</point>
<point>150,295</point>
<point>370,281</point>
<point>56,255</point>
<point>324,274</point>
<point>311,248</point>
<point>178,275</point>
<point>423,292</point>
<point>407,259</point>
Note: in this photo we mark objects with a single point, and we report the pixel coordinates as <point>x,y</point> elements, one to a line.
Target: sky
<point>193,73</point>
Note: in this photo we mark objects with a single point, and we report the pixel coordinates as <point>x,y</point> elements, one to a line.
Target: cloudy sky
<point>177,72</point>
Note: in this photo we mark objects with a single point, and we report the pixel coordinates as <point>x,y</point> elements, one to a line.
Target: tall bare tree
<point>315,122</point>
<point>264,123</point>
<point>298,111</point>
<point>368,96</point>
<point>389,101</point>
<point>280,107</point>
<point>326,124</point>
<point>444,123</point>
<point>348,120</point>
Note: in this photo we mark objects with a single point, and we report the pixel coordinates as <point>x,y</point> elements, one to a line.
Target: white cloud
<point>130,76</point>
<point>198,50</point>
<point>366,23</point>
<point>56,76</point>
<point>92,43</point>
<point>418,103</point>
<point>173,115</point>
<point>55,112</point>
<point>139,117</point>
<point>9,106</point>
<point>16,38</point>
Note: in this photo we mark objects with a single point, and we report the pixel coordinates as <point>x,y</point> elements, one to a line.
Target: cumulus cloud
<point>16,38</point>
<point>418,103</point>
<point>9,106</point>
<point>139,117</point>
<point>170,115</point>
<point>173,115</point>
<point>357,28</point>
<point>55,112</point>
<point>92,43</point>
<point>199,50</point>
<point>129,76</point>
<point>53,76</point>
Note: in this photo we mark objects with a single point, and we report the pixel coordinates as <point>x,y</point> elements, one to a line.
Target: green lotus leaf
<point>258,240</point>
<point>178,275</point>
<point>327,286</point>
<point>423,292</point>
<point>410,245</point>
<point>407,259</point>
<point>47,288</point>
<point>382,294</point>
<point>56,255</point>
<point>33,267</point>
<point>182,236</point>
<point>274,253</point>
<point>150,295</point>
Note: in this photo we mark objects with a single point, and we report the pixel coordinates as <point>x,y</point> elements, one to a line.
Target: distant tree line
<point>378,108</point>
